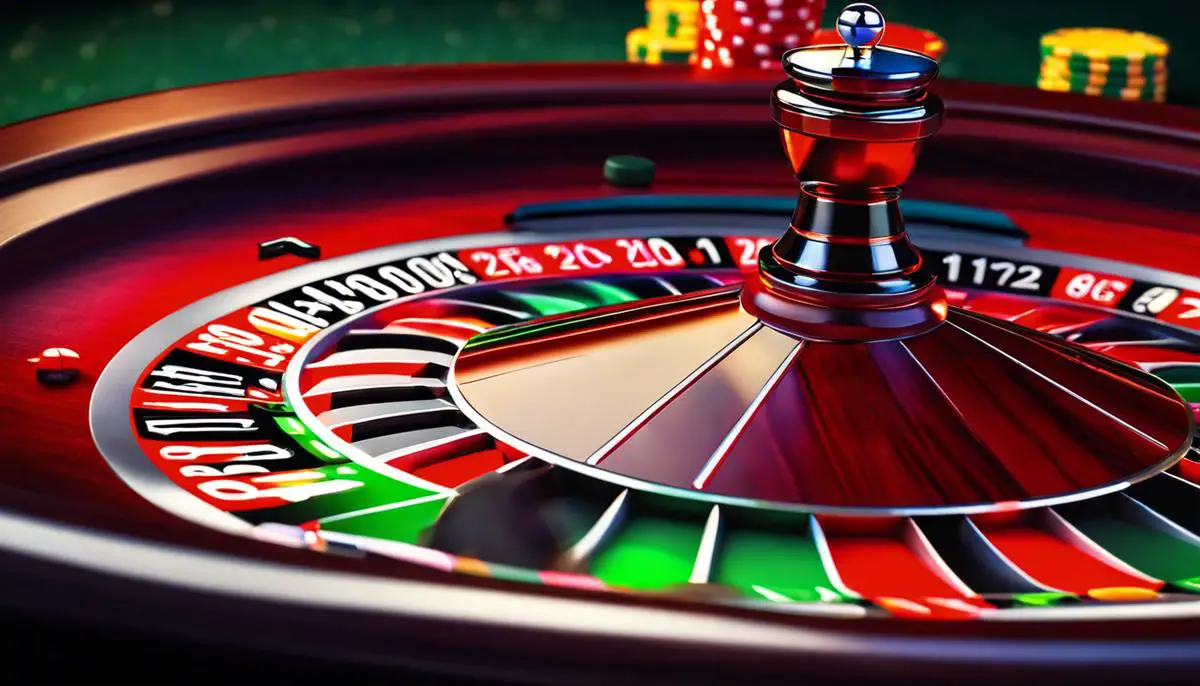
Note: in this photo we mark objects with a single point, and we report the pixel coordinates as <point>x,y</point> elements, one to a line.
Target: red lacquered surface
<point>990,428</point>
<point>1057,564</point>
<point>891,563</point>
<point>879,566</point>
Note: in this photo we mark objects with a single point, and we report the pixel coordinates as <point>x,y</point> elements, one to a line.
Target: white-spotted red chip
<point>753,34</point>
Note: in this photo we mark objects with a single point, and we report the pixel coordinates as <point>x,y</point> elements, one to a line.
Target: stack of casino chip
<point>1113,63</point>
<point>669,34</point>
<point>739,34</point>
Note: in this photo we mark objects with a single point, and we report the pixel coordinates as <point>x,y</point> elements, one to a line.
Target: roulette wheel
<point>372,367</point>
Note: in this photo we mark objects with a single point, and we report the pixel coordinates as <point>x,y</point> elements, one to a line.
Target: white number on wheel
<point>1155,300</point>
<point>1193,312</point>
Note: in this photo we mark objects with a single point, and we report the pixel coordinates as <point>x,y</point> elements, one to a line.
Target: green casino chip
<point>1137,63</point>
<point>629,171</point>
<point>1112,79</point>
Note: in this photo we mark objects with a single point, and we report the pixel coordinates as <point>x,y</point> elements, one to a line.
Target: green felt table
<point>59,54</point>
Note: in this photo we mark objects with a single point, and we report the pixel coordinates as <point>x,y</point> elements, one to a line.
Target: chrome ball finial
<point>861,26</point>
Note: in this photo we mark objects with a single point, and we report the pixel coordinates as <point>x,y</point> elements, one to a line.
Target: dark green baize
<point>60,54</point>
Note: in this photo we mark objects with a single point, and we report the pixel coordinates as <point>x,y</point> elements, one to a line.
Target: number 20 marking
<point>650,253</point>
<point>578,256</point>
<point>748,249</point>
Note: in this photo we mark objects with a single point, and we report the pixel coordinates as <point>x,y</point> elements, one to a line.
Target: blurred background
<point>59,54</point>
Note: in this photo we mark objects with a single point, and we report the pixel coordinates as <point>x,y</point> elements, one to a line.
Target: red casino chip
<point>751,20</point>
<point>753,33</point>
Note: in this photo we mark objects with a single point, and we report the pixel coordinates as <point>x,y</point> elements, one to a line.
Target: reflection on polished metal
<point>861,26</point>
<point>852,120</point>
<point>690,393</point>
<point>844,382</point>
